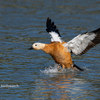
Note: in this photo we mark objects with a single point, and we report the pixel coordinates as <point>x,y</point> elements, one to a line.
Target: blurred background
<point>23,22</point>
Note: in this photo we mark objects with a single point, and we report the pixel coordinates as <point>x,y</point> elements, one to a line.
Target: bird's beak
<point>30,48</point>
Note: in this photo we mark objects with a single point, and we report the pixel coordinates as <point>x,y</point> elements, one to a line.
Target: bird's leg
<point>61,67</point>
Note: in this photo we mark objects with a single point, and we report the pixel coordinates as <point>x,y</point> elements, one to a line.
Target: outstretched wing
<point>83,42</point>
<point>53,31</point>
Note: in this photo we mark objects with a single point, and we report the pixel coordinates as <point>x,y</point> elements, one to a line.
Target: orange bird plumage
<point>61,51</point>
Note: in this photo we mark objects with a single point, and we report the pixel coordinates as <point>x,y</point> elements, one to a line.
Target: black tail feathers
<point>78,67</point>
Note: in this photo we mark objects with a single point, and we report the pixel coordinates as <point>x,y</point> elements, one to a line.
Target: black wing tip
<point>51,26</point>
<point>93,42</point>
<point>96,31</point>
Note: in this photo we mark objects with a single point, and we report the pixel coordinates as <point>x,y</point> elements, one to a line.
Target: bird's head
<point>37,46</point>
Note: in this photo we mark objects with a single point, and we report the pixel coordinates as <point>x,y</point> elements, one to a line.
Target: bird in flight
<point>61,51</point>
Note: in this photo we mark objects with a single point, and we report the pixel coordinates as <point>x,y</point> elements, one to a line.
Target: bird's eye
<point>35,44</point>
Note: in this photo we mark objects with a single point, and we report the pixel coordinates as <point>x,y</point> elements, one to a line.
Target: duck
<point>62,51</point>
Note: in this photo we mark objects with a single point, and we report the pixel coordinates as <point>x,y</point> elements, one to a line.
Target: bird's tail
<point>78,67</point>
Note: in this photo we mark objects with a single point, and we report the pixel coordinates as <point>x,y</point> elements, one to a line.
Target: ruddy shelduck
<point>61,51</point>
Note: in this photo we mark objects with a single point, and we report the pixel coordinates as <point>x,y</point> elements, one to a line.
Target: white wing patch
<point>53,31</point>
<point>80,43</point>
<point>55,37</point>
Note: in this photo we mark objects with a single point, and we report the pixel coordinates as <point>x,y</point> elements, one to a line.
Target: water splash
<point>56,69</point>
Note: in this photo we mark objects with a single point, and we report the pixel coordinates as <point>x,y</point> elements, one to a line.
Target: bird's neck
<point>48,48</point>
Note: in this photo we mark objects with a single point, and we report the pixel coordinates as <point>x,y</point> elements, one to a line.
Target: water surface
<point>22,22</point>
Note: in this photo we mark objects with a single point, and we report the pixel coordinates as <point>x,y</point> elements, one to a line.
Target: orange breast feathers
<point>59,53</point>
